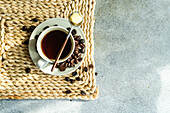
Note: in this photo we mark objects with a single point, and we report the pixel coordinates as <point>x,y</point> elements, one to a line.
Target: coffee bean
<point>55,25</point>
<point>76,52</point>
<point>68,28</point>
<point>35,19</point>
<point>76,48</point>
<point>45,27</point>
<point>85,69</point>
<point>32,27</point>
<point>27,70</point>
<point>80,59</point>
<point>70,100</point>
<point>66,64</point>
<point>74,32</point>
<point>91,66</point>
<point>26,42</point>
<point>79,55</point>
<point>72,65</point>
<point>62,64</point>
<point>79,47</point>
<point>24,28</point>
<point>69,64</point>
<point>68,60</point>
<point>78,78</point>
<point>74,73</point>
<point>58,65</point>
<point>36,37</point>
<point>75,57</point>
<point>78,38</point>
<point>76,42</point>
<point>96,73</point>
<point>76,61</point>
<point>68,91</point>
<point>83,93</point>
<point>81,41</point>
<point>79,67</point>
<point>72,80</point>
<point>82,45</point>
<point>67,78</point>
<point>72,61</point>
<point>62,68</point>
<point>82,50</point>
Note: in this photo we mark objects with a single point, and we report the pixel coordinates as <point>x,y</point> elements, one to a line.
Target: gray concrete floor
<point>132,54</point>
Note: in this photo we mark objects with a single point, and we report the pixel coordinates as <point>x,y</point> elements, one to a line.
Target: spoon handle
<point>61,50</point>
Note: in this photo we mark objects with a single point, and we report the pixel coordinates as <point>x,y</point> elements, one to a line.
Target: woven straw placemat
<point>15,83</point>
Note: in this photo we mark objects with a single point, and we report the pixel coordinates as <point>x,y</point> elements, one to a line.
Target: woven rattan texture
<point>15,83</point>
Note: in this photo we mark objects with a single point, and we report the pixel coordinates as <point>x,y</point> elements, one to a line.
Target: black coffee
<point>52,42</point>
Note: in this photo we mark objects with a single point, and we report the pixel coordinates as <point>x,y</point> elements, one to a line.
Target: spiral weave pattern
<point>15,83</point>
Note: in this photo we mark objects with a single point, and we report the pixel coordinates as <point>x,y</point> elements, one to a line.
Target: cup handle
<point>41,63</point>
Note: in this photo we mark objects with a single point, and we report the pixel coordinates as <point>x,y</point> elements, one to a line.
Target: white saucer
<point>32,45</point>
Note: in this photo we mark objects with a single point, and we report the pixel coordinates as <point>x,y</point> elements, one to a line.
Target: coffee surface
<point>52,42</point>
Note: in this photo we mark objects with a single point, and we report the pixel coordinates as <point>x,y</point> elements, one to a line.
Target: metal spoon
<point>75,19</point>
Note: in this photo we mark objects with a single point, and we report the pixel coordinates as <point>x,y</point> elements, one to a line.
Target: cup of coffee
<point>50,42</point>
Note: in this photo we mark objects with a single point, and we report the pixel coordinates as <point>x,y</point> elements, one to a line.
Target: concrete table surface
<point>132,54</point>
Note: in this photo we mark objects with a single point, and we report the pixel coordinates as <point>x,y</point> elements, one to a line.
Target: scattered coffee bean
<point>82,50</point>
<point>76,48</point>
<point>75,57</point>
<point>79,67</point>
<point>72,61</point>
<point>85,69</point>
<point>68,28</point>
<point>79,47</point>
<point>70,100</point>
<point>66,64</point>
<point>45,27</point>
<point>36,37</point>
<point>67,78</point>
<point>78,38</point>
<point>69,65</point>
<point>24,28</point>
<point>78,78</point>
<point>26,42</point>
<point>72,65</point>
<point>62,68</point>
<point>32,27</point>
<point>96,73</point>
<point>68,91</point>
<point>83,93</point>
<point>79,55</point>
<point>72,80</point>
<point>76,52</point>
<point>56,25</point>
<point>81,41</point>
<point>74,73</point>
<point>91,66</point>
<point>62,65</point>
<point>80,59</point>
<point>27,70</point>
<point>76,42</point>
<point>58,65</point>
<point>35,19</point>
<point>82,45</point>
<point>76,61</point>
<point>74,32</point>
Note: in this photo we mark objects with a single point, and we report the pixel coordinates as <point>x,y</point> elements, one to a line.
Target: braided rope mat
<point>15,83</point>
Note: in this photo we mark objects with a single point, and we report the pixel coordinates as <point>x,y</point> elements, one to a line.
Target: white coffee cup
<point>45,60</point>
